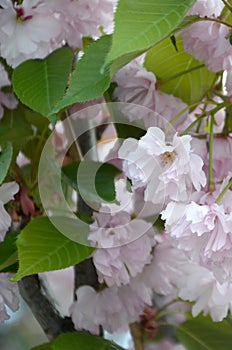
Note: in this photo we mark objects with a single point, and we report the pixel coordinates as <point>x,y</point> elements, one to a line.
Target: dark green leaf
<point>17,130</point>
<point>3,131</point>
<point>79,341</point>
<point>69,174</point>
<point>104,181</point>
<point>8,250</point>
<point>47,346</point>
<point>39,84</point>
<point>5,160</point>
<point>93,180</point>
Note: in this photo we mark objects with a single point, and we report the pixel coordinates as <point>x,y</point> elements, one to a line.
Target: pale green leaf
<point>179,73</point>
<point>41,247</point>
<point>5,160</point>
<point>39,84</point>
<point>141,24</point>
<point>202,333</point>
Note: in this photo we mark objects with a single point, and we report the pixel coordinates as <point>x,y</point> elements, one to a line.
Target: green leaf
<point>187,21</point>
<point>69,174</point>
<point>88,81</point>
<point>39,84</point>
<point>202,333</point>
<point>104,181</point>
<point>79,341</point>
<point>41,247</point>
<point>8,251</point>
<point>95,188</point>
<point>141,24</point>
<point>3,131</point>
<point>178,72</point>
<point>47,346</point>
<point>17,130</point>
<point>5,160</point>
<point>36,119</point>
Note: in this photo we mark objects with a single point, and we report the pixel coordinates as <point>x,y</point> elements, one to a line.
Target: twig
<point>45,313</point>
<point>227,5</point>
<point>137,335</point>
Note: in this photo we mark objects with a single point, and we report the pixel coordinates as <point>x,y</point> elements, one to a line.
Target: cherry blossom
<point>28,30</point>
<point>7,192</point>
<point>138,86</point>
<point>124,247</point>
<point>84,18</point>
<point>209,41</point>
<point>164,345</point>
<point>113,308</point>
<point>166,169</point>
<point>8,296</point>
<point>35,28</point>
<point>6,99</point>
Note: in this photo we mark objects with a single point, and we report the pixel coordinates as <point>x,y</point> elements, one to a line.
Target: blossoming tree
<point>115,138</point>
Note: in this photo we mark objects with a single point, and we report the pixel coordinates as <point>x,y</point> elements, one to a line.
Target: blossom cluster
<point>168,171</point>
<point>176,176</point>
<point>8,290</point>
<point>35,28</point>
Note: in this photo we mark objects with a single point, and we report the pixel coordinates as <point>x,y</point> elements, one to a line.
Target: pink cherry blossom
<point>203,229</point>
<point>165,271</point>
<point>37,27</point>
<point>8,296</point>
<point>167,169</point>
<point>207,8</point>
<point>84,18</point>
<point>164,345</point>
<point>6,99</point>
<point>121,253</point>
<point>229,82</point>
<point>113,308</point>
<point>7,192</point>
<point>209,295</point>
<point>138,86</point>
<point>222,151</point>
<point>27,30</point>
<point>174,273</point>
<point>209,41</point>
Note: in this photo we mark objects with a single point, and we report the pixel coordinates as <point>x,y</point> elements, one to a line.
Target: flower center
<point>20,14</point>
<point>168,157</point>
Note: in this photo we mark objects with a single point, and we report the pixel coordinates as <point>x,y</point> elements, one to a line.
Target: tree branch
<point>137,335</point>
<point>45,313</point>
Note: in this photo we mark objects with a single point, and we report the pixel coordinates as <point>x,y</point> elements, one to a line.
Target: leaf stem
<point>227,5</point>
<point>225,189</point>
<point>217,20</point>
<point>211,136</point>
<point>164,307</point>
<point>172,122</point>
<point>211,112</point>
<point>170,312</point>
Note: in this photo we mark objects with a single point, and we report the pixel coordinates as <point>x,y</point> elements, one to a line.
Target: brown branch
<point>45,313</point>
<point>137,335</point>
<point>227,5</point>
